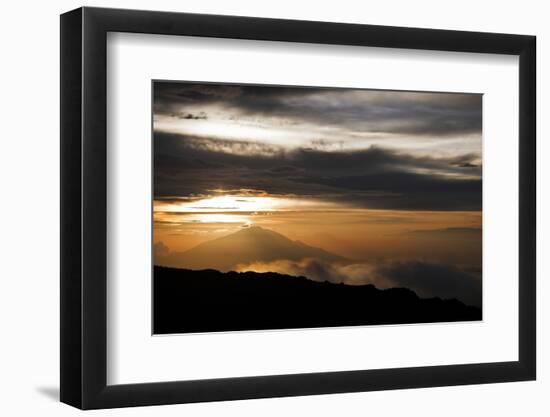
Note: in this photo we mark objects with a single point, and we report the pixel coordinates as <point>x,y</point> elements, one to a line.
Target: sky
<point>373,176</point>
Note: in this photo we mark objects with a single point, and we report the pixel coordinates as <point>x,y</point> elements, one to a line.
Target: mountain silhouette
<point>207,301</point>
<point>252,244</point>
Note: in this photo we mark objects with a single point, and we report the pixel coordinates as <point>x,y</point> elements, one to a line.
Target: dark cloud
<point>465,161</point>
<point>428,114</point>
<point>405,190</point>
<point>431,280</point>
<point>373,177</point>
<point>191,116</point>
<point>467,165</point>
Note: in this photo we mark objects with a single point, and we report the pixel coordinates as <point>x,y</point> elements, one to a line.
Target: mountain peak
<point>246,246</point>
<point>256,231</point>
<point>255,228</point>
<point>252,228</point>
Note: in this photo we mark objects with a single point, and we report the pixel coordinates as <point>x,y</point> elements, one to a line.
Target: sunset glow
<point>366,183</point>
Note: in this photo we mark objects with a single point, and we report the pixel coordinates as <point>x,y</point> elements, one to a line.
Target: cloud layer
<point>408,113</point>
<point>366,148</point>
<point>370,178</point>
<point>424,278</point>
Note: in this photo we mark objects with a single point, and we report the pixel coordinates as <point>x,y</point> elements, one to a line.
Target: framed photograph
<point>257,208</point>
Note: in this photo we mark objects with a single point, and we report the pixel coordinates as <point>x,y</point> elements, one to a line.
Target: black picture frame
<point>84,197</point>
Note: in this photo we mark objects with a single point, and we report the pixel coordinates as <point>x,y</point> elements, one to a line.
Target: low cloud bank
<point>426,279</point>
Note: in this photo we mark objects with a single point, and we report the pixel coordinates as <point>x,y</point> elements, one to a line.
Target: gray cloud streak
<point>416,114</point>
<point>373,177</point>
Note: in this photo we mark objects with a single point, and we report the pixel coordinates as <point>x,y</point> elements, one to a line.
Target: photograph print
<point>286,207</point>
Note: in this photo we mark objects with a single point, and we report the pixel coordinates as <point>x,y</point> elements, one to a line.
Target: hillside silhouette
<point>208,300</point>
<point>252,244</point>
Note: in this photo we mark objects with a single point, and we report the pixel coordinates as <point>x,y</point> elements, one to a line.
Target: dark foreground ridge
<point>209,301</point>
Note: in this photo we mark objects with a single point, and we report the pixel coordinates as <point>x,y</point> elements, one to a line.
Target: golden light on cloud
<point>217,218</point>
<point>179,218</point>
<point>234,203</point>
<point>247,208</point>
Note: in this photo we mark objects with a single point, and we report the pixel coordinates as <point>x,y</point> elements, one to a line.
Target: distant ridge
<point>252,244</point>
<point>210,301</point>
